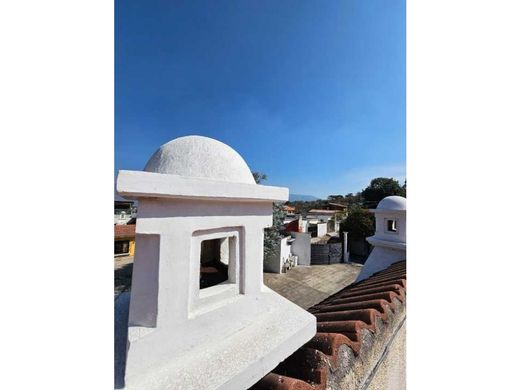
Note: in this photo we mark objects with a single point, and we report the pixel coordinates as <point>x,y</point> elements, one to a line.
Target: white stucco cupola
<point>389,240</point>
<point>390,223</point>
<point>200,316</point>
<point>202,158</point>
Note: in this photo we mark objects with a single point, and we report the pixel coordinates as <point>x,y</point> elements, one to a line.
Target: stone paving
<point>307,286</point>
<point>122,274</point>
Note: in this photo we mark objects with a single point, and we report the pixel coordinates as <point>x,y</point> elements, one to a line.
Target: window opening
<point>391,225</point>
<point>121,247</point>
<point>214,262</point>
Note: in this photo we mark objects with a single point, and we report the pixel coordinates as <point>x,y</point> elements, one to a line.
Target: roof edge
<point>139,184</point>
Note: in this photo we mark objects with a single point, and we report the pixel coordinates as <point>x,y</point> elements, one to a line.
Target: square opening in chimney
<point>391,225</point>
<point>214,262</point>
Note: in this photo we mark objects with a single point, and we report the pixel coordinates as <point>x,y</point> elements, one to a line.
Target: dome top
<point>200,157</point>
<point>392,203</point>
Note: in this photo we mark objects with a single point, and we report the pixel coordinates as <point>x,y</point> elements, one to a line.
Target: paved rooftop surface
<point>307,286</point>
<point>122,274</point>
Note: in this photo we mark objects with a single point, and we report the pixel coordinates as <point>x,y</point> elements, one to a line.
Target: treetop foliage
<point>380,188</point>
<point>360,223</point>
<point>273,234</point>
<point>259,177</point>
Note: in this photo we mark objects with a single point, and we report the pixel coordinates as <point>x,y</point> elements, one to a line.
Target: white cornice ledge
<point>140,184</point>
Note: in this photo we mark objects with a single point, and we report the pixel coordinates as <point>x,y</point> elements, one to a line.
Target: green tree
<point>273,234</point>
<point>259,177</point>
<point>380,188</point>
<point>360,223</point>
<point>335,198</point>
<point>353,200</point>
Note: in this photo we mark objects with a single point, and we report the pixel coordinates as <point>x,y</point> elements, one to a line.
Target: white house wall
<point>322,229</point>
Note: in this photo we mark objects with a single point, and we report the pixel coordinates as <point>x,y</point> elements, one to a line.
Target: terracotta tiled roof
<point>341,319</point>
<point>124,231</point>
<point>338,204</point>
<point>319,211</point>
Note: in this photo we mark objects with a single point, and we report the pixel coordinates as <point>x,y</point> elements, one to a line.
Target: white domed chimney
<point>200,316</point>
<point>389,240</point>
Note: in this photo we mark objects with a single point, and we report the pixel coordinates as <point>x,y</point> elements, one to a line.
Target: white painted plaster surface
<point>276,261</point>
<point>345,246</point>
<point>379,259</point>
<point>393,203</point>
<point>301,247</point>
<point>234,353</point>
<point>322,229</point>
<point>303,225</point>
<point>320,217</point>
<point>285,249</point>
<point>389,247</point>
<point>225,336</point>
<point>200,157</point>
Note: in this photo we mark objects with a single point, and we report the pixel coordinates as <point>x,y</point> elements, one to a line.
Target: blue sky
<point>310,92</point>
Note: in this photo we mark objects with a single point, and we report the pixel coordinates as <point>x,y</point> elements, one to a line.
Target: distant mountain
<point>305,198</point>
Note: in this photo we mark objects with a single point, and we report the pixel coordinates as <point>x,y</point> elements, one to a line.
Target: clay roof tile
<point>341,320</point>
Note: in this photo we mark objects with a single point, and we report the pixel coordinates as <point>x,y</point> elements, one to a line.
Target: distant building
<point>289,209</point>
<point>124,240</point>
<point>124,212</point>
<point>336,206</point>
<point>292,225</point>
<point>321,214</point>
<point>330,217</point>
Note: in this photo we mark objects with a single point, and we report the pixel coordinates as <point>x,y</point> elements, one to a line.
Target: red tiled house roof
<point>292,226</point>
<point>339,205</point>
<point>124,231</point>
<point>353,328</point>
<point>321,211</point>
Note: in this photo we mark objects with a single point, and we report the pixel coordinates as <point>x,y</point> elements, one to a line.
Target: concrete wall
<point>322,229</point>
<point>275,263</point>
<point>391,372</point>
<point>301,247</point>
<point>345,247</point>
<point>285,250</point>
<point>303,225</point>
